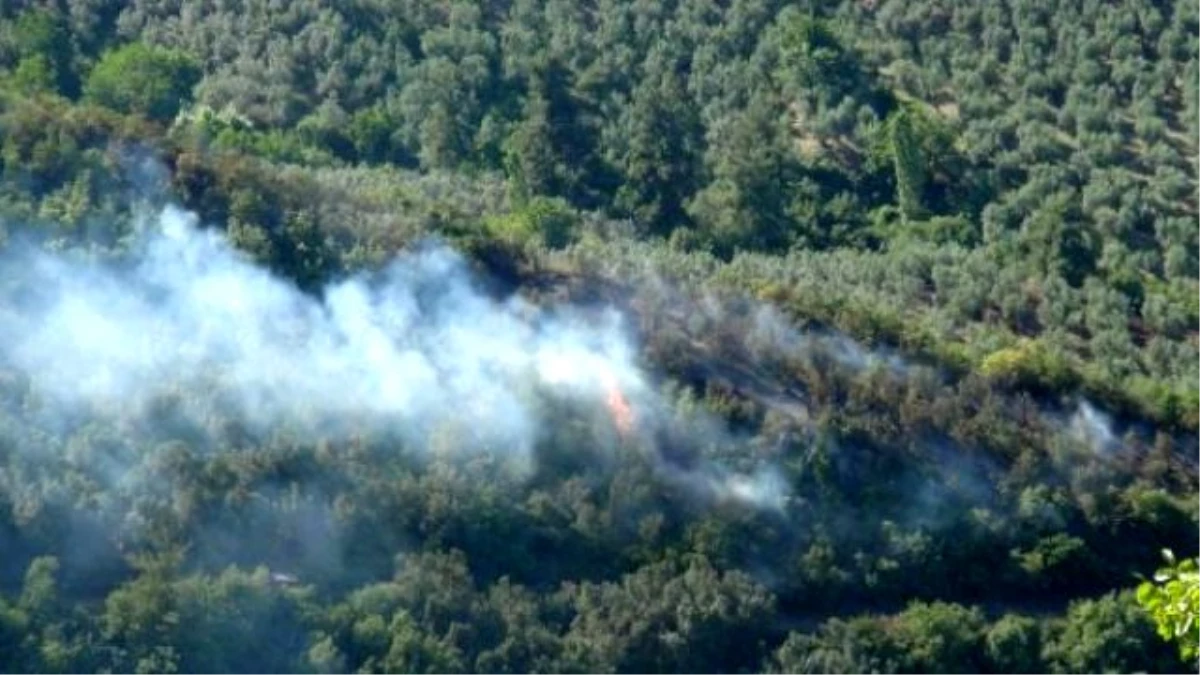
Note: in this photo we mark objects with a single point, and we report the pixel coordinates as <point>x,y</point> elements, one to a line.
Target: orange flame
<point>618,406</point>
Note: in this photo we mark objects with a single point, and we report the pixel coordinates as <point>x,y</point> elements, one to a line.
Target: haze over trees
<point>908,341</point>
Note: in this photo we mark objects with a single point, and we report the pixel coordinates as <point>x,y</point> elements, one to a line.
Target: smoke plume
<point>414,350</point>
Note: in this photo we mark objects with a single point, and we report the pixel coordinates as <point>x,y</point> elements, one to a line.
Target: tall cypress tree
<point>910,165</point>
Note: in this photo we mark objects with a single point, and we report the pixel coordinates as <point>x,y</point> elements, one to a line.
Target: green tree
<point>33,74</point>
<point>658,150</point>
<point>530,159</point>
<point>39,595</point>
<point>43,42</point>
<point>553,149</point>
<point>909,162</point>
<point>1108,634</point>
<point>655,620</point>
<point>858,645</point>
<point>143,79</point>
<point>1014,645</point>
<point>746,203</point>
<point>811,50</point>
<point>940,637</point>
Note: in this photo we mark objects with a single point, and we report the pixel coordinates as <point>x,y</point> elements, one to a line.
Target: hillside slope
<point>612,336</point>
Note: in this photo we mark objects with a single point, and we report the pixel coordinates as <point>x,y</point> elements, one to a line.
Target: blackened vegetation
<point>931,268</point>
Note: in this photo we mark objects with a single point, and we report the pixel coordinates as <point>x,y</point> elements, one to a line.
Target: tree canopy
<point>909,290</point>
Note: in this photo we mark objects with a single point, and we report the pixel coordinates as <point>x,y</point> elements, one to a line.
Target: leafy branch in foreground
<point>1173,601</point>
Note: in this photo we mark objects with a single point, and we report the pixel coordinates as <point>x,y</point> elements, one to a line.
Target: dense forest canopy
<point>638,336</point>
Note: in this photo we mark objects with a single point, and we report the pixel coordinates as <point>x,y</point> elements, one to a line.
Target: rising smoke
<point>410,351</point>
<point>1093,427</point>
<point>416,351</point>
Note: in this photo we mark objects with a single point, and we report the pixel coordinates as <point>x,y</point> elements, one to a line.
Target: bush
<point>550,221</point>
<point>1030,363</point>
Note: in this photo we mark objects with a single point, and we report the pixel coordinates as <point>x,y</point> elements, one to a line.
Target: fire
<point>618,405</point>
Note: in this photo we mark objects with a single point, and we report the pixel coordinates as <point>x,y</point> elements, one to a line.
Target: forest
<point>507,336</point>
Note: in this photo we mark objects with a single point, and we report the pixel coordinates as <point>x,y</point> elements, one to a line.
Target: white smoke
<point>415,350</point>
<point>1093,427</point>
<point>772,333</point>
<point>766,489</point>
